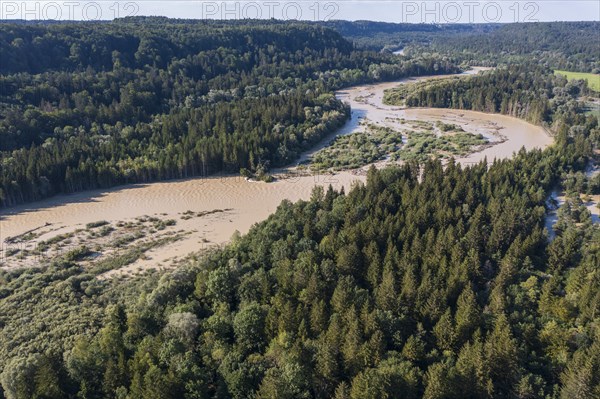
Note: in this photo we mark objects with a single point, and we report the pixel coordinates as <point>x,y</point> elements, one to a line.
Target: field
<point>593,79</point>
<point>592,108</point>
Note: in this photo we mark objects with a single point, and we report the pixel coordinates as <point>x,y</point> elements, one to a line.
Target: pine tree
<point>503,357</point>
<point>467,315</point>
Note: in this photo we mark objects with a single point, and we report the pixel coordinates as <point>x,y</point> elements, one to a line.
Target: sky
<point>400,11</point>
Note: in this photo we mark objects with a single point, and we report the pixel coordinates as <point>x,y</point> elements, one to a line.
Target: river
<point>558,198</point>
<point>249,202</point>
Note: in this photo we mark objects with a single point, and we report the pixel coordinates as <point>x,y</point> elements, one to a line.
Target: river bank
<point>246,202</point>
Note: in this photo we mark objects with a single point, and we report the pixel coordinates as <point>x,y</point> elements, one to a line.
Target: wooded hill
<point>426,282</point>
<point>148,99</point>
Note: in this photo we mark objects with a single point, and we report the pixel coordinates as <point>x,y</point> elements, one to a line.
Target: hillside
<point>424,279</point>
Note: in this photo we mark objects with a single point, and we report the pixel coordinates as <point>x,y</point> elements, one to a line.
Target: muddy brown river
<point>250,202</point>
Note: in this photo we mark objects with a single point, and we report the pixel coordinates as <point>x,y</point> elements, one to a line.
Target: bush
<point>93,225</point>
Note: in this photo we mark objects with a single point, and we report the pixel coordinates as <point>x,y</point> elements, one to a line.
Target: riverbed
<point>505,134</point>
<point>558,198</point>
<point>248,202</point>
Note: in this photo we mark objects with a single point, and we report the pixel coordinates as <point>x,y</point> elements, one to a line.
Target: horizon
<point>35,21</point>
<point>407,12</point>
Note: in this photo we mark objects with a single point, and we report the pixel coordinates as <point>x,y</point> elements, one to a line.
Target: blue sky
<point>377,10</point>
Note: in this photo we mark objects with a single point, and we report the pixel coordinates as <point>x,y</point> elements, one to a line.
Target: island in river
<point>172,220</point>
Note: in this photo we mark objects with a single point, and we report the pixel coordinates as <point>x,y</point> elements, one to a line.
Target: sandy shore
<point>505,134</point>
<point>249,202</point>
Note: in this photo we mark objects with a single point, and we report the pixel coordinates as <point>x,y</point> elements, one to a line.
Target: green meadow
<point>593,79</point>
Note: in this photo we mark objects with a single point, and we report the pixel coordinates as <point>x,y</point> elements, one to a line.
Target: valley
<point>288,209</point>
<point>247,202</point>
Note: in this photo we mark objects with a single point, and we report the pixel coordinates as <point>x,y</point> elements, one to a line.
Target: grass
<point>592,109</point>
<point>358,149</point>
<point>93,225</point>
<point>401,94</point>
<point>592,78</point>
<point>424,145</point>
<point>423,141</point>
<point>131,254</point>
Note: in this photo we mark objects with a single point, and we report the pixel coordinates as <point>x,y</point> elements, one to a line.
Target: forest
<point>532,93</point>
<point>109,104</point>
<point>429,281</point>
<point>387,37</point>
<point>147,99</point>
<point>572,46</point>
<point>369,294</point>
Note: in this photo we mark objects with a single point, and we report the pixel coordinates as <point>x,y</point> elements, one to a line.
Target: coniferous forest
<point>429,281</point>
<point>573,46</point>
<point>148,99</point>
